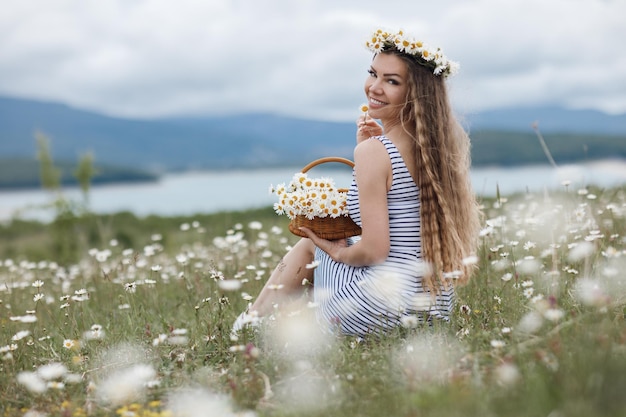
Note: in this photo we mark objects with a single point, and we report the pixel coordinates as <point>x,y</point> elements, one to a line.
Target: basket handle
<point>327,159</point>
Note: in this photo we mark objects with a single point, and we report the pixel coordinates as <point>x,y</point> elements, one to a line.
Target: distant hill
<point>502,137</point>
<point>550,120</point>
<point>22,173</point>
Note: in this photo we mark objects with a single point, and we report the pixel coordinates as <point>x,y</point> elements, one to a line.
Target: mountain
<point>168,144</point>
<point>262,140</point>
<point>549,119</point>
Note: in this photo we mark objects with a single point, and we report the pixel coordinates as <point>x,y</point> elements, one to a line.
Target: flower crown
<point>381,41</point>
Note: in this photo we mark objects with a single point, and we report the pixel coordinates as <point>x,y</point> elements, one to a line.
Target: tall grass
<point>140,326</point>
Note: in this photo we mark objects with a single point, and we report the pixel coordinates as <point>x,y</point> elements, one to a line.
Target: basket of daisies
<point>316,203</point>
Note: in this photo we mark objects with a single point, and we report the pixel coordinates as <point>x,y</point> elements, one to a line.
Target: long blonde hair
<point>450,215</point>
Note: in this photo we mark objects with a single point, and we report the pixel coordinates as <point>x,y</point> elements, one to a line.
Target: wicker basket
<point>326,227</point>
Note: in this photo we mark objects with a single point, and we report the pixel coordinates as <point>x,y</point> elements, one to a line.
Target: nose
<point>372,85</point>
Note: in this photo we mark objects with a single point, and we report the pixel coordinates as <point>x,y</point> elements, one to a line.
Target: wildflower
<point>38,297</point>
<point>55,385</point>
<point>410,322</point>
<point>156,268</point>
<point>52,371</point>
<point>102,256</point>
<point>465,309</point>
<point>32,382</point>
<point>237,348</point>
<point>20,335</point>
<point>229,284</point>
<point>312,265</point>
<point>507,277</point>
<point>554,314</point>
<point>529,265</point>
<point>470,260</point>
<point>528,292</point>
<point>591,292</point>
<point>38,284</point>
<point>28,318</point>
<point>255,225</point>
<point>252,351</point>
<point>177,340</point>
<point>581,251</point>
<point>125,385</point>
<point>8,348</point>
<point>507,374</point>
<point>130,287</point>
<point>452,274</point>
<point>531,322</point>
<point>95,333</point>
<point>159,340</point>
<point>497,344</point>
<point>69,344</point>
<point>80,295</point>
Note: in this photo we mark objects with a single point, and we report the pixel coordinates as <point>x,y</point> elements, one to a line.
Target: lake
<point>208,192</point>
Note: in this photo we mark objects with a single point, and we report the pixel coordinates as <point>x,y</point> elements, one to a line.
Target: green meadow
<point>107,315</point>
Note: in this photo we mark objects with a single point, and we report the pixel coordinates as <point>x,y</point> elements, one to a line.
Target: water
<point>208,192</point>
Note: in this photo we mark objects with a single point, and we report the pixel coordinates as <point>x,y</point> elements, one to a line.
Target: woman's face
<point>386,87</point>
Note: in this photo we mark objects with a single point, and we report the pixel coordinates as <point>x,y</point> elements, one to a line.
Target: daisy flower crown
<point>381,41</point>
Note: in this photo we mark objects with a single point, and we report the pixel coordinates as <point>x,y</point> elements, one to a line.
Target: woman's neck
<point>395,131</point>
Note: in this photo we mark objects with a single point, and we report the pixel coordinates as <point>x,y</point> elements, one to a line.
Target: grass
<point>137,322</point>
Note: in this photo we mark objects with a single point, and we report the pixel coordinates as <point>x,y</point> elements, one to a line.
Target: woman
<point>412,197</point>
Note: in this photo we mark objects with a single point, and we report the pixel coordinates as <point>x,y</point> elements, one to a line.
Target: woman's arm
<point>373,177</point>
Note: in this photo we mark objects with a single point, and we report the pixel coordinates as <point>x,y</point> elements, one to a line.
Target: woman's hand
<point>366,128</point>
<point>332,247</point>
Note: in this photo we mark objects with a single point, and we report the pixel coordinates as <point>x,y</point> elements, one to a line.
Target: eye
<point>371,73</point>
<point>393,82</point>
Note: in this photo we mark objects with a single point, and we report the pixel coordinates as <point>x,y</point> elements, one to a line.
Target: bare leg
<point>285,283</point>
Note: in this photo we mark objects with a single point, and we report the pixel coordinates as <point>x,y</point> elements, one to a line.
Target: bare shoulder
<point>371,159</point>
<point>370,149</point>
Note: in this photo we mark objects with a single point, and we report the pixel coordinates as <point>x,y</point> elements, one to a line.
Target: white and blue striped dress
<point>364,300</point>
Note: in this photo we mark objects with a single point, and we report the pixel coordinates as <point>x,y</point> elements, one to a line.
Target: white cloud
<point>152,58</point>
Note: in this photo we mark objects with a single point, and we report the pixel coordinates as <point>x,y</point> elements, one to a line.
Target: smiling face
<point>386,87</point>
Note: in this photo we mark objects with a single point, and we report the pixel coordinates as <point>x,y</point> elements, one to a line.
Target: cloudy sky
<point>153,58</point>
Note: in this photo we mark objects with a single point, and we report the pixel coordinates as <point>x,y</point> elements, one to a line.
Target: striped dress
<point>371,299</point>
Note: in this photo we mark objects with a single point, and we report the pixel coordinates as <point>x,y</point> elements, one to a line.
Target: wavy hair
<point>450,215</point>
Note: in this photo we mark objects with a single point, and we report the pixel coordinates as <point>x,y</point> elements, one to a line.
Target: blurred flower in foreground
<point>507,374</point>
<point>122,374</point>
<point>296,333</point>
<point>307,390</point>
<point>428,358</point>
<point>196,402</point>
<point>229,284</point>
<point>125,385</point>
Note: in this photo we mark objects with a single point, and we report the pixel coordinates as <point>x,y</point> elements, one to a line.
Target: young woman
<point>412,197</point>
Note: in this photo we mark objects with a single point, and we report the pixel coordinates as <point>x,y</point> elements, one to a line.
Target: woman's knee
<point>306,247</point>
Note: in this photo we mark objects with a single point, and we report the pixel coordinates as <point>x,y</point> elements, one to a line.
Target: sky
<point>304,58</point>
